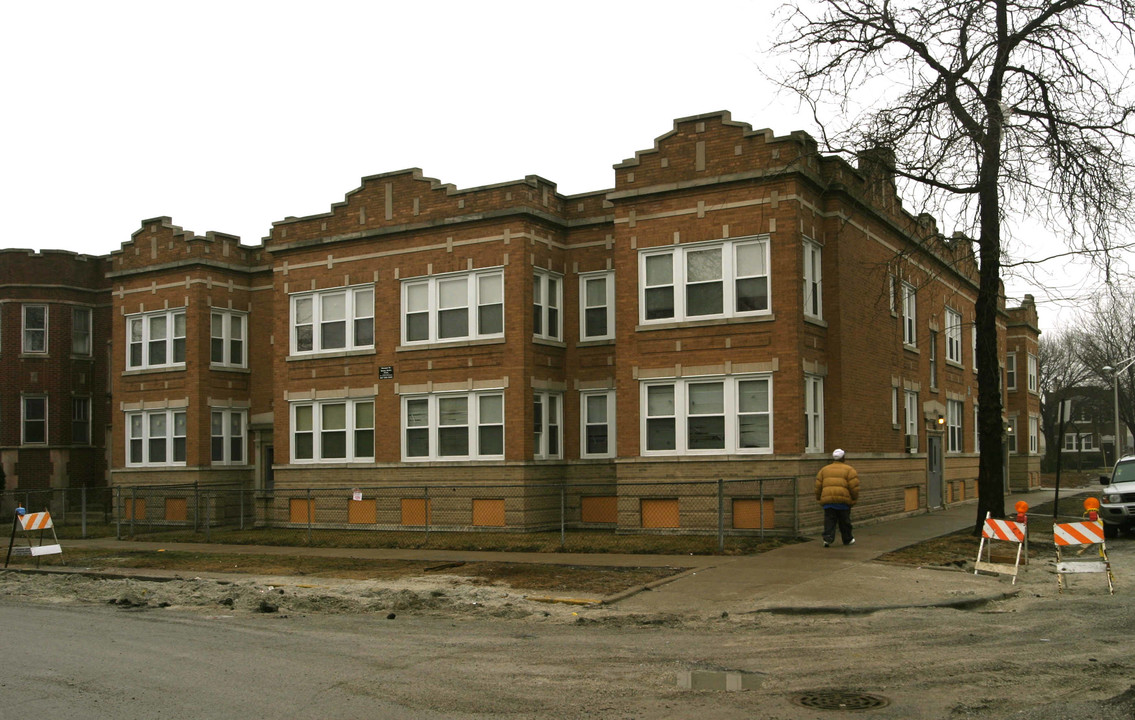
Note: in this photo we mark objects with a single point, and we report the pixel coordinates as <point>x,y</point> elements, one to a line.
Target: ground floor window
<point>707,415</point>
<point>453,426</point>
<point>227,428</point>
<point>156,437</point>
<point>333,431</point>
<point>597,423</point>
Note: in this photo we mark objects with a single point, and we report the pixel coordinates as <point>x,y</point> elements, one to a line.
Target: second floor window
<point>1032,373</point>
<point>227,338</point>
<point>333,320</point>
<point>909,315</point>
<point>597,306</point>
<point>155,340</point>
<point>813,297</point>
<point>35,328</point>
<point>81,331</point>
<point>547,298</point>
<point>1011,371</point>
<point>953,336</point>
<point>704,280</point>
<point>457,306</point>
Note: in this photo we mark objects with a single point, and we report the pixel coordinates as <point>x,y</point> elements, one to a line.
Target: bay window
<point>332,320</point>
<point>339,430</point>
<point>453,426</point>
<point>707,415</point>
<point>452,307</point>
<point>704,280</point>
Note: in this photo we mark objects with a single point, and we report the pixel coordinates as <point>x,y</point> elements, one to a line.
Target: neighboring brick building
<point>54,348</point>
<point>1025,439</point>
<point>737,306</point>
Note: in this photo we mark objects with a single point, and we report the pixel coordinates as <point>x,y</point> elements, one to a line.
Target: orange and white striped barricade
<point>29,523</point>
<point>1084,534</point>
<point>1005,531</point>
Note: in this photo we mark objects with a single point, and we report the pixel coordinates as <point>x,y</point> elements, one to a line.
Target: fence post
<point>240,492</point>
<point>196,507</point>
<point>133,509</point>
<point>429,511</point>
<point>83,511</point>
<point>721,515</point>
<point>563,506</point>
<point>208,518</point>
<point>309,514</point>
<point>118,513</point>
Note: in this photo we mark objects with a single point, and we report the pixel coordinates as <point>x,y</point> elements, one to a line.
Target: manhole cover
<point>840,700</point>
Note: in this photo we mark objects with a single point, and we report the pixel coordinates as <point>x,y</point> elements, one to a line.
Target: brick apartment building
<point>54,369</point>
<point>737,306</point>
<point>1025,437</point>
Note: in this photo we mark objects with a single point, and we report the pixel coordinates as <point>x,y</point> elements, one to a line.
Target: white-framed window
<point>1011,433</point>
<point>453,426</point>
<point>81,421</point>
<point>954,411</point>
<point>704,280</point>
<point>33,420</point>
<point>1011,371</point>
<point>1087,442</point>
<point>1034,439</point>
<point>933,348</point>
<point>910,401</point>
<point>597,423</point>
<point>891,293</point>
<point>81,331</point>
<point>155,437</point>
<point>227,431</point>
<point>547,299</point>
<point>953,336</point>
<point>813,413</point>
<point>1033,385</point>
<point>547,425</point>
<point>976,430</point>
<point>597,306</point>
<point>895,407</point>
<point>155,340</point>
<point>35,328</point>
<point>909,315</point>
<point>1070,442</point>
<point>333,431</point>
<point>451,307</point>
<point>973,348</point>
<point>1079,442</point>
<point>332,320</point>
<point>813,280</point>
<point>707,416</point>
<point>227,338</point>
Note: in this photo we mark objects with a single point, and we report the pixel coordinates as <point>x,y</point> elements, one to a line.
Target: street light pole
<point>1115,385</point>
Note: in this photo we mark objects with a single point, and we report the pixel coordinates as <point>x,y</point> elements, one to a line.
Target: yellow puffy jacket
<point>837,483</point>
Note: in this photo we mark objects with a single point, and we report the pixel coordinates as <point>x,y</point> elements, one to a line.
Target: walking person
<point>837,489</point>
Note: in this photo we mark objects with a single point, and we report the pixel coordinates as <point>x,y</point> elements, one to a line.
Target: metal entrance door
<point>934,472</point>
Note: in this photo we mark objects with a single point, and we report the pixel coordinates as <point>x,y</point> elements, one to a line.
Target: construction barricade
<point>1085,534</point>
<point>29,523</point>
<point>1012,531</point>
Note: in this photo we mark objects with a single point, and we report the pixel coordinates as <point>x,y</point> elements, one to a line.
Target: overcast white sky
<point>228,116</point>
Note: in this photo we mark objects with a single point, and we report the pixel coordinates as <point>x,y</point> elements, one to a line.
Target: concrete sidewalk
<point>798,578</point>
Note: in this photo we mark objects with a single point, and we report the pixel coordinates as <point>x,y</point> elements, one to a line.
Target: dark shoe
<point>851,542</point>
<point>827,543</point>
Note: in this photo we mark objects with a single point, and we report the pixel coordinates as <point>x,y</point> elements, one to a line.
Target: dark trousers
<point>834,516</point>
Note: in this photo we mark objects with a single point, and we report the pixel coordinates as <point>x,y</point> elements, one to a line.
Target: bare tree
<point>1107,339</point>
<point>986,106</point>
<point>1060,376</point>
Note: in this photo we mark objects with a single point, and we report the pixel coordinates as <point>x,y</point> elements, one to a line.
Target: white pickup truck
<point>1117,506</point>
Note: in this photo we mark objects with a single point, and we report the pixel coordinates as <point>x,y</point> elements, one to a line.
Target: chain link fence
<point>75,512</point>
<point>641,513</point>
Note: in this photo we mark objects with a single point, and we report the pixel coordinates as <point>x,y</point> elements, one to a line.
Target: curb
<point>961,604</point>
<point>631,592</point>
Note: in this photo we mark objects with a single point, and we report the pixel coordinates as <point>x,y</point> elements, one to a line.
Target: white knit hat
<point>838,454</point>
